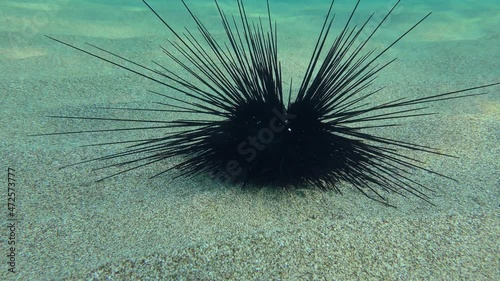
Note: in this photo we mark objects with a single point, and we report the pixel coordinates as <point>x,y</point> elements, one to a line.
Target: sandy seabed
<point>134,228</point>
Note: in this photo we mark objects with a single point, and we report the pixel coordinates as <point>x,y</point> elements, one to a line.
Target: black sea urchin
<point>244,130</point>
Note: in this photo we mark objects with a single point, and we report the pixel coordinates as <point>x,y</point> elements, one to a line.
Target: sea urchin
<point>243,129</point>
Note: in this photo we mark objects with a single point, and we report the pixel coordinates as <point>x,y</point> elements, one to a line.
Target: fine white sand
<point>127,227</point>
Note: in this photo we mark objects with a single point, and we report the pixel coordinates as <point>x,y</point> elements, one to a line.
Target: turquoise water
<point>193,229</point>
<point>125,19</point>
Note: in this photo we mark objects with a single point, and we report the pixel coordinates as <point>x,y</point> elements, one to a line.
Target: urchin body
<point>248,132</point>
<point>266,144</point>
